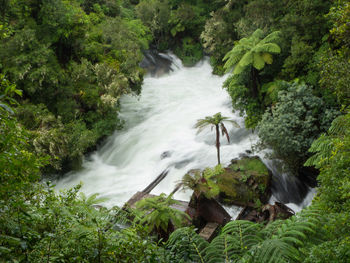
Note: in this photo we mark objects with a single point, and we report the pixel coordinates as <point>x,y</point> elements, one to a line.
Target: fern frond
<point>340,125</point>
<point>271,229</point>
<point>267,47</point>
<point>217,250</point>
<point>241,226</point>
<point>258,34</point>
<point>187,245</point>
<point>273,37</point>
<point>93,200</point>
<point>275,250</point>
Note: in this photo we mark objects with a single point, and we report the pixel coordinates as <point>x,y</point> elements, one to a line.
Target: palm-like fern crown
<point>216,119</point>
<point>254,51</point>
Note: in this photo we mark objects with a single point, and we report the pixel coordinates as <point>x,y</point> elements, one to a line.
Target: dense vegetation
<point>65,64</point>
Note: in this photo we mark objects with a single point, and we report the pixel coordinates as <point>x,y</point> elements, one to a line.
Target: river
<point>159,135</point>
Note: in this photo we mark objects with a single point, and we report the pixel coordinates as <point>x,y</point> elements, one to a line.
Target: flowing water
<point>159,135</point>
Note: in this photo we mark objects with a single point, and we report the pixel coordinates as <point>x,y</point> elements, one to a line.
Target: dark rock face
<point>246,182</point>
<point>308,175</point>
<point>156,63</point>
<point>204,210</point>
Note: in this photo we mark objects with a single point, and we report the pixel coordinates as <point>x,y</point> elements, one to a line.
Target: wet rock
<point>277,211</point>
<point>182,164</point>
<point>156,63</point>
<point>268,213</point>
<point>165,154</point>
<point>245,182</point>
<point>209,231</point>
<point>204,210</point>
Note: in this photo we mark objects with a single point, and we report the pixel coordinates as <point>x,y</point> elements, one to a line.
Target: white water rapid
<point>159,134</point>
<point>161,121</point>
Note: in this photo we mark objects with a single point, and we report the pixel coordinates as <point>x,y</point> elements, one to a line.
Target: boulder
<point>203,210</point>
<point>277,211</point>
<point>245,182</point>
<point>268,213</point>
<point>156,63</point>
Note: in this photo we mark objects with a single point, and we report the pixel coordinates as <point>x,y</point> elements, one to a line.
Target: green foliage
<point>203,182</point>
<point>253,18</point>
<point>270,91</point>
<point>242,100</point>
<point>77,58</point>
<point>246,58</point>
<point>7,90</point>
<point>339,15</point>
<point>333,242</point>
<point>186,246</point>
<point>293,123</point>
<point>67,63</point>
<point>155,14</point>
<point>244,241</point>
<point>67,227</point>
<point>216,119</point>
<point>220,33</point>
<point>159,216</point>
<point>19,165</point>
<point>300,54</point>
<point>189,52</point>
<point>332,157</point>
<point>38,224</point>
<point>334,78</point>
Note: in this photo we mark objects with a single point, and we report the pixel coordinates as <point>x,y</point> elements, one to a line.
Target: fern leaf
<point>187,245</point>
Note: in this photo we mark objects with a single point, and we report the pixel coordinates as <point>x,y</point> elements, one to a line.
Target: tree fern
<point>217,121</point>
<point>255,51</point>
<point>250,55</point>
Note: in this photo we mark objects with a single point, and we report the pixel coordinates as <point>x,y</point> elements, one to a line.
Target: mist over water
<point>159,135</point>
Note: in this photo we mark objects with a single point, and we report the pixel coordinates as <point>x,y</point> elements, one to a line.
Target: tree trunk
<point>218,142</point>
<point>254,74</point>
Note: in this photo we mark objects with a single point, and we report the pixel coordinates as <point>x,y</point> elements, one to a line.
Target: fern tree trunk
<point>218,142</point>
<point>254,75</point>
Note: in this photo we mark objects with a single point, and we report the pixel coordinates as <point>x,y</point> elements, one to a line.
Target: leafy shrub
<point>293,124</point>
<point>189,52</point>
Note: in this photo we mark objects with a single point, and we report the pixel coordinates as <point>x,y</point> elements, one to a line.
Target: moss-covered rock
<point>245,181</point>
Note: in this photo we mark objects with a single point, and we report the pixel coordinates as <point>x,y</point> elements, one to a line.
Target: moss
<point>245,182</point>
<point>248,164</point>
